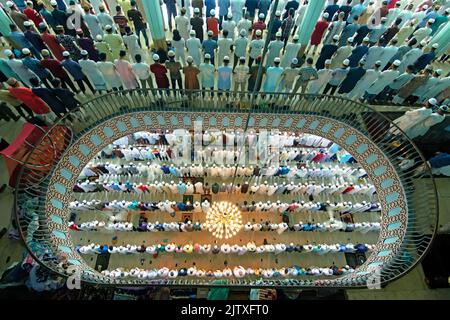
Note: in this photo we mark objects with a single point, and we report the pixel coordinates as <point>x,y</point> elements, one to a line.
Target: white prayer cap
<point>431,20</point>
<point>447,10</point>
<point>53,3</point>
<point>84,53</point>
<point>229,15</point>
<point>278,13</point>
<point>192,32</point>
<point>444,108</point>
<point>196,10</point>
<point>210,33</point>
<point>435,45</point>
<point>26,51</point>
<point>189,59</point>
<point>425,7</point>
<point>432,101</point>
<point>326,15</point>
<point>328,61</point>
<point>212,12</point>
<point>9,4</point>
<point>384,19</point>
<point>99,37</point>
<point>261,16</point>
<point>207,56</point>
<point>155,57</point>
<point>243,32</point>
<point>45,52</point>
<point>423,43</point>
<point>278,34</point>
<point>226,58</point>
<point>294,61</point>
<point>29,2</point>
<point>396,63</point>
<point>346,62</point>
<point>336,37</point>
<point>108,27</point>
<point>8,53</point>
<point>27,23</point>
<point>295,37</point>
<point>366,39</point>
<point>378,63</point>
<point>277,60</point>
<point>258,32</point>
<point>350,39</point>
<point>439,71</point>
<point>66,53</point>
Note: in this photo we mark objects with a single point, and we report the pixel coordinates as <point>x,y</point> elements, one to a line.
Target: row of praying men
<point>237,272</point>
<point>182,188</point>
<point>273,207</point>
<point>329,226</point>
<point>109,171</point>
<point>225,248</point>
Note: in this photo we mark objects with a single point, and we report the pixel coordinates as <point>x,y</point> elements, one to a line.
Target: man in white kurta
<point>274,49</point>
<point>367,79</point>
<point>324,76</point>
<point>291,52</point>
<point>182,24</point>
<point>194,47</point>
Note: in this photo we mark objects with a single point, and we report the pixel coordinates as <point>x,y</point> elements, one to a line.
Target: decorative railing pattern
<point>408,223</point>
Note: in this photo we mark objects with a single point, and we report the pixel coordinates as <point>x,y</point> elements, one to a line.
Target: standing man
<point>353,76</point>
<point>251,6</point>
<point>224,76</point>
<point>194,46</point>
<point>34,65</point>
<point>212,24</point>
<point>207,74</point>
<point>142,72</point>
<point>240,47</point>
<point>224,5</point>
<point>289,76</point>
<point>171,7</point>
<point>323,77</point>
<point>105,19</point>
<point>76,72</point>
<point>90,68</point>
<point>51,42</point>
<point>385,79</point>
<point>174,68</point>
<point>369,77</point>
<point>92,22</point>
<point>337,76</point>
<point>224,45</point>
<point>191,73</point>
<point>197,24</point>
<point>256,47</point>
<point>237,7</point>
<point>306,74</point>
<point>182,24</point>
<point>286,27</point>
<point>240,75</point>
<point>210,46</point>
<point>230,26</point>
<point>291,52</point>
<point>140,26</point>
<point>327,52</point>
<point>114,41</point>
<point>210,5</point>
<point>273,76</point>
<point>274,49</point>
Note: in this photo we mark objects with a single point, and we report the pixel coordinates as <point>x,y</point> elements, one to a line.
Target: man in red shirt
<point>57,70</point>
<point>160,71</point>
<point>212,24</point>
<point>32,101</point>
<point>51,42</point>
<point>32,14</point>
<point>259,25</point>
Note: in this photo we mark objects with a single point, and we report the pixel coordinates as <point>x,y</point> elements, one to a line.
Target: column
<point>155,23</point>
<point>306,28</point>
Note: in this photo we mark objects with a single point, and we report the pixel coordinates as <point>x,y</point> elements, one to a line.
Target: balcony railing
<point>410,207</point>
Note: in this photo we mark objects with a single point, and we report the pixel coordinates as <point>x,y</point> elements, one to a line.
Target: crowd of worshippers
<point>331,225</point>
<point>369,50</point>
<point>225,248</point>
<point>237,272</point>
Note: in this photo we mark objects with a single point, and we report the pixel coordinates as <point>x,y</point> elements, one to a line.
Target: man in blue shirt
<point>251,6</point>
<point>209,46</point>
<point>346,8</point>
<point>76,72</point>
<point>349,31</point>
<point>356,11</point>
<point>331,10</point>
<point>327,52</point>
<point>18,41</point>
<point>353,76</point>
<point>210,4</point>
<point>35,65</point>
<point>376,33</point>
<point>426,59</point>
<point>33,37</point>
<point>264,6</point>
<point>276,24</point>
<point>223,10</point>
<point>48,97</point>
<point>358,53</point>
<point>224,79</point>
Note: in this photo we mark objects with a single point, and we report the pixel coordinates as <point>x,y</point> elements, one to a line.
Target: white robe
<point>291,52</point>
<point>316,86</point>
<point>369,77</point>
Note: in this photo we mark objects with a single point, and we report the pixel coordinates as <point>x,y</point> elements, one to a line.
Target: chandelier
<point>223,219</point>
